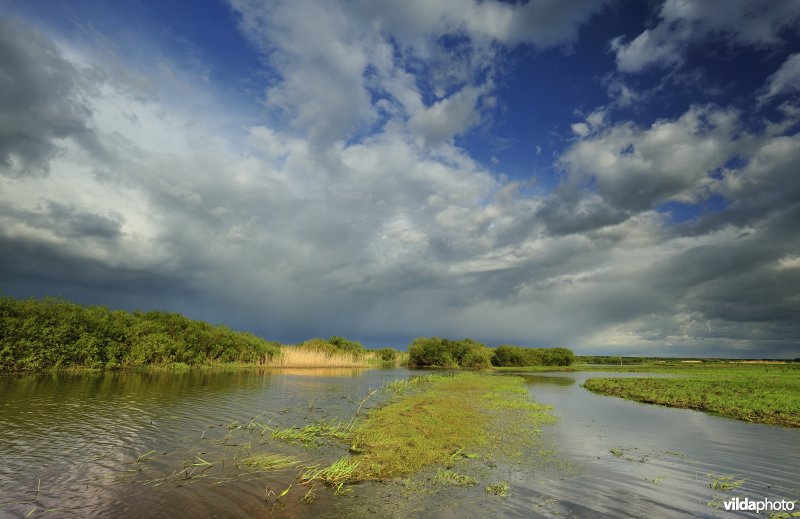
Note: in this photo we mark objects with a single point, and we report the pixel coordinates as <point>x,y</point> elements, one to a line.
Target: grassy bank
<point>763,393</point>
<point>449,418</point>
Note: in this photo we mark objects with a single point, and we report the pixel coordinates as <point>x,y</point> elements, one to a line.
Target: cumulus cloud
<point>672,160</point>
<point>358,213</point>
<point>347,68</point>
<point>753,23</point>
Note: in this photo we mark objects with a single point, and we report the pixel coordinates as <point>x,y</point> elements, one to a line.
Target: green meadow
<point>762,393</point>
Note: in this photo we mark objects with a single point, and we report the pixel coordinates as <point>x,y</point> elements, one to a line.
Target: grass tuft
<point>265,462</point>
<point>339,472</point>
<point>450,477</point>
<point>499,489</point>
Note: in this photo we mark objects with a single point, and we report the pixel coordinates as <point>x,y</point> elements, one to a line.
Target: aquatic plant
<point>450,477</point>
<point>310,434</point>
<point>501,489</point>
<point>264,462</point>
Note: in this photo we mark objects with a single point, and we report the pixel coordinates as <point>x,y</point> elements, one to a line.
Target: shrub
<point>345,345</point>
<point>515,356</point>
<point>53,333</point>
<point>444,353</point>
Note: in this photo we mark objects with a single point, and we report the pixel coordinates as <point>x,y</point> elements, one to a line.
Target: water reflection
<point>545,379</point>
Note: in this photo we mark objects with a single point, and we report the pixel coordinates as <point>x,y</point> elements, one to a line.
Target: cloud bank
<point>351,205</point>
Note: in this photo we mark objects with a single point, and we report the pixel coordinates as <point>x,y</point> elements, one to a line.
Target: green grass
<point>311,435</point>
<point>445,420</point>
<point>721,482</point>
<point>499,489</point>
<point>450,477</point>
<point>265,462</point>
<point>762,393</point>
<point>339,472</point>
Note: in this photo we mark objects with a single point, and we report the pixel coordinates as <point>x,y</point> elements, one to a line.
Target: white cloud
<point>447,117</point>
<point>638,168</point>
<point>786,80</point>
<point>754,23</point>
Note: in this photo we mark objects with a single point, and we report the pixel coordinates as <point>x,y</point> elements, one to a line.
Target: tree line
<point>470,354</point>
<point>53,333</point>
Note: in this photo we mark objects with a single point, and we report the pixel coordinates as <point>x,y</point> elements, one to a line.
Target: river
<point>169,444</point>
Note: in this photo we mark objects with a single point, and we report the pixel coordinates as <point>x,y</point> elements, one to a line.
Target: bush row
<point>53,333</point>
<point>470,354</point>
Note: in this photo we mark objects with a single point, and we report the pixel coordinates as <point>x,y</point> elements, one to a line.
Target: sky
<point>617,177</point>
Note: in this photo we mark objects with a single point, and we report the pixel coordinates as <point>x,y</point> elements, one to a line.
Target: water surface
<point>166,444</point>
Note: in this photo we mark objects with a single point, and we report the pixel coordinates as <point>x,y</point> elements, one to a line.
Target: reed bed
<point>295,357</point>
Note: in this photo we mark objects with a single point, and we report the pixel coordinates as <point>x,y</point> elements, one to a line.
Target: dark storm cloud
<point>41,100</point>
<point>66,221</point>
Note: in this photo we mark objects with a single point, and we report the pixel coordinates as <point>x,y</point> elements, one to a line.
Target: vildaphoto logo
<point>741,504</point>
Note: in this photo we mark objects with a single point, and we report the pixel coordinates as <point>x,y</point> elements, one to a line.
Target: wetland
<point>342,443</point>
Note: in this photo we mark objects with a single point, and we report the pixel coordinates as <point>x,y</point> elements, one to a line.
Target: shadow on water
<point>134,444</point>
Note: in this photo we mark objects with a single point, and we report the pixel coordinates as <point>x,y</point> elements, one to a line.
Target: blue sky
<point>618,177</point>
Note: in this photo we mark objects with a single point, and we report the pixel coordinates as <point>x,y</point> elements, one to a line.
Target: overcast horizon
<point>615,177</point>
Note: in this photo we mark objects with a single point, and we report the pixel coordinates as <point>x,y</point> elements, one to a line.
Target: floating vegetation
<point>145,457</point>
<point>722,482</point>
<point>265,462</point>
<point>310,496</point>
<point>620,453</point>
<point>499,489</point>
<point>310,435</point>
<point>450,477</point>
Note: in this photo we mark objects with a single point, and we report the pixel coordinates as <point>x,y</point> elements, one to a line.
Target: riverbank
<point>760,393</point>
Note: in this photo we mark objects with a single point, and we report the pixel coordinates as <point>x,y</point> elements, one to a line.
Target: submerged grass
<point>265,462</point>
<point>312,434</point>
<point>722,482</point>
<point>501,489</point>
<point>753,393</point>
<point>450,477</point>
<point>434,426</point>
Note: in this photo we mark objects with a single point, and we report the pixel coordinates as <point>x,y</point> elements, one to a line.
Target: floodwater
<point>170,444</point>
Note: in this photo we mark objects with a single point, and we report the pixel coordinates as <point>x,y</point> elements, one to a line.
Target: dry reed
<point>294,357</point>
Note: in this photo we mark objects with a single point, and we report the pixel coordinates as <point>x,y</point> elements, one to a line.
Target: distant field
<point>753,392</point>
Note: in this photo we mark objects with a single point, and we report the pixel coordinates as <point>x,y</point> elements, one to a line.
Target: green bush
<point>344,345</point>
<point>515,356</point>
<point>53,333</point>
<point>444,353</point>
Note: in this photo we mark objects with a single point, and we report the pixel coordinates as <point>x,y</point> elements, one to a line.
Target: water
<point>71,443</point>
